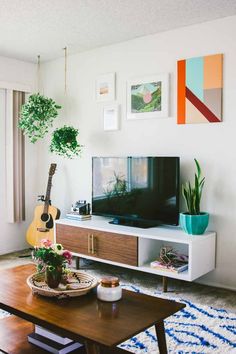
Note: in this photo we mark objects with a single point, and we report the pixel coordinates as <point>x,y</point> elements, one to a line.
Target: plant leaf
<point>199,172</point>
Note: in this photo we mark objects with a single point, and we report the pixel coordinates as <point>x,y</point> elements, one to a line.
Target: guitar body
<point>42,225</point>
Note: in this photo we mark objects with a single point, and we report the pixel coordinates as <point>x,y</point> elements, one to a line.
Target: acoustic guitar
<point>44,215</point>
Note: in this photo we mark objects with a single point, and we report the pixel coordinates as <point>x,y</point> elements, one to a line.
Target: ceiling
<point>32,27</point>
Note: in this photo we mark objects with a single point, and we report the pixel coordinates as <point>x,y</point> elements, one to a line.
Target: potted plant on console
<point>194,221</point>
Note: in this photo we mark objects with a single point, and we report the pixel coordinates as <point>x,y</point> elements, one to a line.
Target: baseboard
<point>217,285</point>
<point>7,251</point>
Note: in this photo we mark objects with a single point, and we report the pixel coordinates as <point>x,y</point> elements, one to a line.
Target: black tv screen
<point>137,191</point>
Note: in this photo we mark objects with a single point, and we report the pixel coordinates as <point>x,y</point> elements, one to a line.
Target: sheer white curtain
<point>15,157</point>
<point>18,158</point>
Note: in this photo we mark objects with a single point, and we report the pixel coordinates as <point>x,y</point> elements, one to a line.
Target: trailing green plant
<point>64,142</point>
<point>192,193</point>
<point>37,116</point>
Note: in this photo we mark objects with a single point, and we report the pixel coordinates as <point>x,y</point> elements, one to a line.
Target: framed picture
<point>148,97</point>
<point>111,117</point>
<point>105,87</point>
<point>200,89</point>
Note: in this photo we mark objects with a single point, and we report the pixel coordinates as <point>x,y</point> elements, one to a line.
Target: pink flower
<point>68,256</point>
<point>46,243</point>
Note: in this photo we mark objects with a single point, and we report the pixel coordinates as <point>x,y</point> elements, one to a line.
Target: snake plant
<point>192,193</point>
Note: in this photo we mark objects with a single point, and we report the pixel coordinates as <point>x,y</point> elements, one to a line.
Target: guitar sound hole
<point>45,217</point>
<point>49,223</point>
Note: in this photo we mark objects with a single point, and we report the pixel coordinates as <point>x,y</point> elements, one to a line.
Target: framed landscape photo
<point>105,88</point>
<point>111,117</point>
<point>148,97</point>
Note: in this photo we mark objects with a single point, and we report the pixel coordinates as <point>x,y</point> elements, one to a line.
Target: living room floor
<point>197,293</point>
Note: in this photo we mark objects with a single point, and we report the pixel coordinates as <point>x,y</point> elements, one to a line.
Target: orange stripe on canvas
<point>213,71</point>
<point>181,110</point>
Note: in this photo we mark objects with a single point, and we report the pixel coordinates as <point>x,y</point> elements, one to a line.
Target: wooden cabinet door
<point>74,239</point>
<point>116,247</point>
<point>105,245</point>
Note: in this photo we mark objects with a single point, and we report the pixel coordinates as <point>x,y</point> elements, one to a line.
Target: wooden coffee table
<point>101,326</point>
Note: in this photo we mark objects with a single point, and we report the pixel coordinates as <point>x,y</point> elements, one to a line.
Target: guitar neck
<point>47,198</point>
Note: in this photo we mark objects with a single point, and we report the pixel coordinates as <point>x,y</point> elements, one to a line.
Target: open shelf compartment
<point>149,251</point>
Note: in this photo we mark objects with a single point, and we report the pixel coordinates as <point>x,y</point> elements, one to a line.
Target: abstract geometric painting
<point>200,87</point>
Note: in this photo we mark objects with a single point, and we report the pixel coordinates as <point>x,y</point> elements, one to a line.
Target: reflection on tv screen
<point>136,188</point>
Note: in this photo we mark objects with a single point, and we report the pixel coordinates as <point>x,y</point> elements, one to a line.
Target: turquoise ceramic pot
<point>194,224</point>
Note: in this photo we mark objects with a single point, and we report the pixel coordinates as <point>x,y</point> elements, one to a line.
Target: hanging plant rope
<point>38,73</point>
<point>38,114</point>
<point>65,69</point>
<point>64,142</point>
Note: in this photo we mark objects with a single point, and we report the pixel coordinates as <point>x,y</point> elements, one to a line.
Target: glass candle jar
<point>109,289</point>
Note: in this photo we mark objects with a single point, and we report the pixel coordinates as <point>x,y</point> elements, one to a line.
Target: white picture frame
<point>105,87</point>
<point>140,97</point>
<point>111,117</point>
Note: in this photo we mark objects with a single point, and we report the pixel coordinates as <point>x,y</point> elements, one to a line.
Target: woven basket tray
<point>80,284</point>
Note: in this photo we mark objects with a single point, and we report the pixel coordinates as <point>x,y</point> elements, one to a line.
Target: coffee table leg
<point>161,337</point>
<point>92,348</point>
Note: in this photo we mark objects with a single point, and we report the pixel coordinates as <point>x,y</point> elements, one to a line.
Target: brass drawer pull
<point>93,239</point>
<point>95,244</point>
<point>89,244</point>
<point>92,244</point>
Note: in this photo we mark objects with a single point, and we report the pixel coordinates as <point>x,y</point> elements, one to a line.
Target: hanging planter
<point>64,142</point>
<point>37,116</point>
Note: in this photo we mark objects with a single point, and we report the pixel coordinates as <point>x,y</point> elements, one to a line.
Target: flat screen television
<point>136,191</point>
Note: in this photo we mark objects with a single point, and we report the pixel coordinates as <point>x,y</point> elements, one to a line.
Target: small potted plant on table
<point>194,221</point>
<point>52,259</point>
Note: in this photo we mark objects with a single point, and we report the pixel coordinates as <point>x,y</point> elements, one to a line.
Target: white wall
<point>212,144</point>
<point>12,236</point>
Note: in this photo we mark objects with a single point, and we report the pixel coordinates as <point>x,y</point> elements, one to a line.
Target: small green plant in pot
<point>64,142</point>
<point>194,221</point>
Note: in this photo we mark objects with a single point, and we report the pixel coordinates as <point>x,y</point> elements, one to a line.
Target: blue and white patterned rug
<point>196,329</point>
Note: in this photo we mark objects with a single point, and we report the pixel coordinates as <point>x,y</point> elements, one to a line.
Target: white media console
<point>135,248</point>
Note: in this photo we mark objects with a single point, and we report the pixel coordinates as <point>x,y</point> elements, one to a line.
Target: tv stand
<point>135,248</point>
<point>133,223</point>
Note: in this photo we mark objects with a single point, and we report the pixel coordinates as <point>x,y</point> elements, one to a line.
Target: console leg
<point>77,262</point>
<point>161,337</point>
<point>165,284</point>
